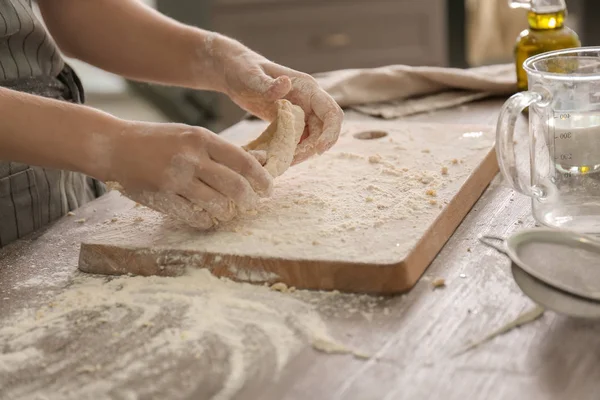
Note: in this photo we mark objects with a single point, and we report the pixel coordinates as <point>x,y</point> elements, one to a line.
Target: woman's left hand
<point>254,83</point>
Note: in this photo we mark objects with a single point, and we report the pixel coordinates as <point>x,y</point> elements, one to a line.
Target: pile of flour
<point>164,337</point>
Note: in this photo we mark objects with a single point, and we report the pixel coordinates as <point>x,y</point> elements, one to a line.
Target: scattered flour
<point>82,342</point>
<point>29,356</point>
<point>252,275</point>
<point>31,282</point>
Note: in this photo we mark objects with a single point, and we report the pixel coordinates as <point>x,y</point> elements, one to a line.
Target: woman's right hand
<point>186,171</point>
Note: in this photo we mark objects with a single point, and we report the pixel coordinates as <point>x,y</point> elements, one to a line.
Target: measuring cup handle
<point>505,133</point>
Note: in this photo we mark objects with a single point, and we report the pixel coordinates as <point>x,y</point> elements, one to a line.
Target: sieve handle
<point>505,141</point>
<point>490,242</point>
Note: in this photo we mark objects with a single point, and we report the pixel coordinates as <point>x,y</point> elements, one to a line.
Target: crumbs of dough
<point>375,159</point>
<point>438,283</point>
<point>349,156</point>
<point>392,172</point>
<point>280,287</point>
<point>425,179</point>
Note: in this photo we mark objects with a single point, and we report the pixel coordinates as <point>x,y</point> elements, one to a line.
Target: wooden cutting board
<point>368,216</point>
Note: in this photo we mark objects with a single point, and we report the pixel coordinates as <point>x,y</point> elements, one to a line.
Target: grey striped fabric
<point>30,196</point>
<point>26,49</point>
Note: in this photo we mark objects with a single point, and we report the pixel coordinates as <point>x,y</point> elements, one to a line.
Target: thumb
<point>271,89</point>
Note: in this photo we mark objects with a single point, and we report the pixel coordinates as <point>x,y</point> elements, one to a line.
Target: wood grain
<point>380,256</point>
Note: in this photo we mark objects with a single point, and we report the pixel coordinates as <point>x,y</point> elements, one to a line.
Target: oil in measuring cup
<point>575,140</point>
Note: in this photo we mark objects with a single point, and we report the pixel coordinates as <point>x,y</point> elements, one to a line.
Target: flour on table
<point>277,144</point>
<point>99,336</point>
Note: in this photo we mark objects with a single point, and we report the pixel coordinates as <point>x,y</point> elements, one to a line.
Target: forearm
<point>132,40</point>
<point>55,134</point>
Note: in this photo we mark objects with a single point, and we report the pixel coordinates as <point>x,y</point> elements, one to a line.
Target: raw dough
<point>276,146</point>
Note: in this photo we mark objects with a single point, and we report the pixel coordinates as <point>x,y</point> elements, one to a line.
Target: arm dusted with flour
<point>61,135</point>
<point>128,38</point>
<point>197,173</point>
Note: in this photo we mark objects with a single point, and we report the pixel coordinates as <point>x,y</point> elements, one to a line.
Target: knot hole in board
<point>370,135</point>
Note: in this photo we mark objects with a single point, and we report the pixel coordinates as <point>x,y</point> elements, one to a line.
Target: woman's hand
<point>188,172</point>
<point>254,83</point>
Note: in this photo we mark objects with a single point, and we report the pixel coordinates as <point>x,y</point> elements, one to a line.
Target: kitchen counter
<point>414,339</point>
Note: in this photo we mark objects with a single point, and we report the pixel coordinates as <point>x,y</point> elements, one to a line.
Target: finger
<point>185,211</point>
<point>320,138</point>
<point>332,116</point>
<point>175,207</point>
<point>230,184</point>
<point>263,91</point>
<point>281,86</point>
<point>304,152</point>
<point>303,89</point>
<point>207,198</point>
<point>304,134</point>
<point>244,164</point>
<point>308,147</point>
<point>267,87</point>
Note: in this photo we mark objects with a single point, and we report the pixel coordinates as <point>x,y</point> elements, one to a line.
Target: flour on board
<point>363,200</point>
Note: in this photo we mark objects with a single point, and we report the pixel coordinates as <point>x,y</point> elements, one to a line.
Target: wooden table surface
<point>553,357</point>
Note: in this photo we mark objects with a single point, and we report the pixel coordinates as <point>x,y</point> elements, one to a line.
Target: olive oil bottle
<point>546,32</point>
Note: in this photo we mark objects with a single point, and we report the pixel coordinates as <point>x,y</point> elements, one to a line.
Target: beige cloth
<point>492,31</point>
<point>399,90</point>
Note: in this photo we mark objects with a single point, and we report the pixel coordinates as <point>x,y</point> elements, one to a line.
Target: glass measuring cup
<point>563,175</point>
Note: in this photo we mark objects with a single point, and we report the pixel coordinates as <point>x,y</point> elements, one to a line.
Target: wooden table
<point>551,358</point>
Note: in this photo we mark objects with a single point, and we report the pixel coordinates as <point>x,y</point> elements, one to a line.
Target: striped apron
<point>31,196</point>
